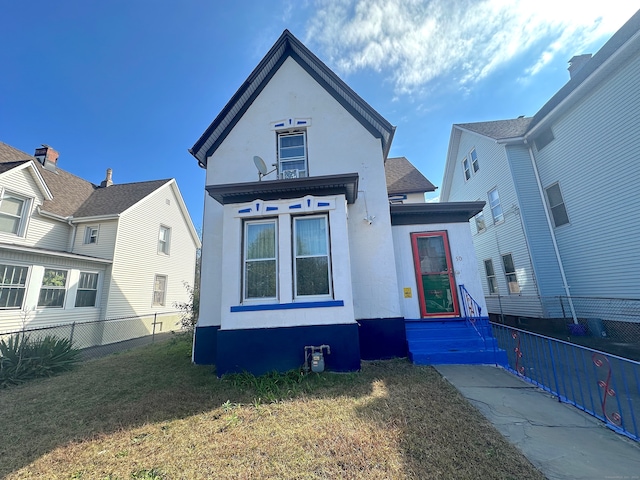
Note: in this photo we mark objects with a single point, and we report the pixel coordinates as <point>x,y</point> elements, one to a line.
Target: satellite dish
<point>262,167</point>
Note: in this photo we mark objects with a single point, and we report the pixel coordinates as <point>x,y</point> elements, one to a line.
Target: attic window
<point>292,154</point>
<point>13,209</point>
<point>544,139</point>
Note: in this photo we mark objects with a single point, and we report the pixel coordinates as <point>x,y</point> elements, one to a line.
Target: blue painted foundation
<point>382,338</point>
<point>205,345</point>
<point>453,341</point>
<point>262,350</point>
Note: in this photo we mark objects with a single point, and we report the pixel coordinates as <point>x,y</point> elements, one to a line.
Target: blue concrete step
<point>452,341</point>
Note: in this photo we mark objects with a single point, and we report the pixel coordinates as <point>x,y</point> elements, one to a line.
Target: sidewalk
<point>558,439</point>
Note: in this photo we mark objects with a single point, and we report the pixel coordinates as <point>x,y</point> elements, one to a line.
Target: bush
<point>23,359</point>
<point>190,309</point>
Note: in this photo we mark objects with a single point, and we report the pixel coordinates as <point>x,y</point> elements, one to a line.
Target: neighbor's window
<point>13,281</point>
<point>87,290</point>
<point>54,287</point>
<point>91,235</point>
<point>544,139</point>
<point>311,256</point>
<point>159,290</point>
<point>164,237</point>
<point>496,208</point>
<point>491,277</point>
<point>510,273</point>
<point>474,160</point>
<point>12,212</point>
<point>260,260</point>
<point>481,226</point>
<point>556,204</point>
<point>292,155</point>
<point>465,167</point>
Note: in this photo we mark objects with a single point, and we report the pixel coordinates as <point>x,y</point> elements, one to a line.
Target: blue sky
<point>131,85</point>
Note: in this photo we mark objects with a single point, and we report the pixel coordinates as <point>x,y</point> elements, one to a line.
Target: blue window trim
<point>287,306</point>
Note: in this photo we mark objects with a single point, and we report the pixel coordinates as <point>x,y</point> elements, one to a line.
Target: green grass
<point>150,414</point>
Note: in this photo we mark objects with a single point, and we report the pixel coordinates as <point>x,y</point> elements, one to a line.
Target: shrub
<point>22,358</point>
<point>189,309</point>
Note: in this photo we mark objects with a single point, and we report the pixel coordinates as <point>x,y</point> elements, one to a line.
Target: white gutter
<point>553,236</point>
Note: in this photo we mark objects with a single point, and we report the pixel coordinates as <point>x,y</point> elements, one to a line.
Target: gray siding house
<point>72,251</point>
<point>561,189</point>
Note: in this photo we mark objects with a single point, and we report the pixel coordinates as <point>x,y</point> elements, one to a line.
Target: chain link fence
<point>611,325</point>
<point>99,338</point>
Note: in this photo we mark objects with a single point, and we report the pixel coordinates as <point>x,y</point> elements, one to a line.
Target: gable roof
<point>73,196</point>
<point>403,177</point>
<point>289,46</point>
<point>499,129</point>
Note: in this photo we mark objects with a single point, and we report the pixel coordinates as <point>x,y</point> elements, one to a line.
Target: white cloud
<point>414,42</point>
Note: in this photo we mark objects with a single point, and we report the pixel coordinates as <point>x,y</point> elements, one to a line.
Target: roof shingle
<point>403,177</point>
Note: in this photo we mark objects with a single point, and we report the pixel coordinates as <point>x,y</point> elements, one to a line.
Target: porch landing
<point>454,341</point>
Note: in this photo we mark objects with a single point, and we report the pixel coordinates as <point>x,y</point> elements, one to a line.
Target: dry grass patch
<point>151,414</point>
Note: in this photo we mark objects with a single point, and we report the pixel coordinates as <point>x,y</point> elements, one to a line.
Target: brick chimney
<point>577,62</point>
<point>107,182</point>
<point>48,157</point>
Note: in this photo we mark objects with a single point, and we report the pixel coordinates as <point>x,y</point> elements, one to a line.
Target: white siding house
<point>71,251</point>
<point>301,247</point>
<point>567,186</point>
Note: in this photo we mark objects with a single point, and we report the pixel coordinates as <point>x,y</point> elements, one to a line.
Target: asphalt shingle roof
<point>73,196</point>
<point>500,129</point>
<point>403,177</point>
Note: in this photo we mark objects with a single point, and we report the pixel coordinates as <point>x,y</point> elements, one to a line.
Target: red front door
<point>434,274</point>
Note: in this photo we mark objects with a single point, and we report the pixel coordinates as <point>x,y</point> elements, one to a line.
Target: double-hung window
<point>13,209</point>
<point>496,208</point>
<point>292,155</point>
<point>164,237</point>
<point>481,225</point>
<point>260,269</point>
<point>87,290</point>
<point>466,168</point>
<point>510,273</point>
<point>13,281</point>
<point>474,160</point>
<point>491,277</point>
<point>91,235</point>
<point>159,290</point>
<point>311,256</point>
<point>54,288</point>
<point>556,204</point>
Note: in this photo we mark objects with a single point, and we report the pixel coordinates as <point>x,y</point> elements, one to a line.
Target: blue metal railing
<point>601,384</point>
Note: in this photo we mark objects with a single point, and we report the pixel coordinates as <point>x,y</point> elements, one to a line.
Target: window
<point>87,290</point>
<point>311,254</point>
<point>12,212</point>
<point>54,287</point>
<point>481,226</point>
<point>496,208</point>
<point>556,205</point>
<point>510,273</point>
<point>491,277</point>
<point>467,170</point>
<point>260,260</point>
<point>91,235</point>
<point>159,290</point>
<point>292,155</point>
<point>164,237</point>
<point>13,280</point>
<point>474,160</point>
<point>544,139</point>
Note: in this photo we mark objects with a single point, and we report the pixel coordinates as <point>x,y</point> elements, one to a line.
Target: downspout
<point>553,236</point>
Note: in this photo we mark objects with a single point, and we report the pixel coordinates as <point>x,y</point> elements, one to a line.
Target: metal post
<point>153,334</point>
<point>73,327</point>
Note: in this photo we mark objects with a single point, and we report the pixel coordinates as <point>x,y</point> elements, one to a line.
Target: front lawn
<point>149,413</point>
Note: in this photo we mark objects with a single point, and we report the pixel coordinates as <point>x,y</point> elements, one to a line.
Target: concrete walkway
<point>558,439</point>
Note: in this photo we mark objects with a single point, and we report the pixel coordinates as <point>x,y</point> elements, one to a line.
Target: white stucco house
<point>550,182</point>
<point>72,251</point>
<point>312,253</point>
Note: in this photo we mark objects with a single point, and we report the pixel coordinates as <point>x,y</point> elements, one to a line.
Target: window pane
<point>11,206</point>
<point>311,236</point>
<point>291,140</point>
<point>293,165</point>
<point>86,298</point>
<point>312,276</point>
<point>54,278</point>
<point>261,240</point>
<point>488,266</point>
<point>260,279</point>
<point>159,289</point>
<point>88,280</point>
<point>554,195</point>
<point>560,216</point>
<point>51,297</point>
<point>474,160</point>
<point>9,224</point>
<point>480,224</point>
<point>507,260</point>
